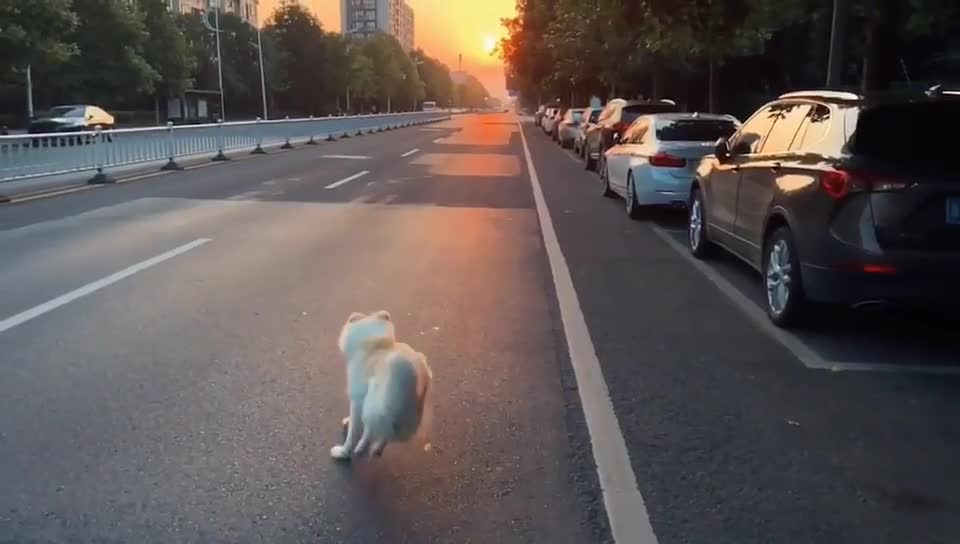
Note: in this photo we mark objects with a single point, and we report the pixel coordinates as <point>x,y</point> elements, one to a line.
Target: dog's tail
<point>393,408</point>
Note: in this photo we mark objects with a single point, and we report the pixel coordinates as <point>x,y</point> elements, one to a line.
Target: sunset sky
<point>444,28</point>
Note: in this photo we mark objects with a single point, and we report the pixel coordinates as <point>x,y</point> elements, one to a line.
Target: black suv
<point>837,198</point>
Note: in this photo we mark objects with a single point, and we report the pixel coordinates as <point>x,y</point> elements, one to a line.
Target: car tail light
<point>868,268</point>
<point>620,127</point>
<point>667,161</point>
<point>839,183</point>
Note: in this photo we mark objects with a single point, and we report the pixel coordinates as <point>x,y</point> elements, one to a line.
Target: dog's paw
<point>340,452</point>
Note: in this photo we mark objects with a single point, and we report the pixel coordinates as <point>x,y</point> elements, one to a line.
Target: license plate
<point>953,210</point>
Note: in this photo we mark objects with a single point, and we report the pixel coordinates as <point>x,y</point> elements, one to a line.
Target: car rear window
<point>694,130</point>
<point>594,115</point>
<point>630,113</point>
<point>903,134</point>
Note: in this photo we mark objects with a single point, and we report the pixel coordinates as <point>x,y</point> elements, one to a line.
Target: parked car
<point>538,116</point>
<point>71,119</point>
<point>614,119</point>
<point>569,128</point>
<point>656,161</point>
<point>837,198</point>
<point>550,120</point>
<point>590,119</point>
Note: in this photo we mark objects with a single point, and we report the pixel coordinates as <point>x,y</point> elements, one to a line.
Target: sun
<point>489,45</point>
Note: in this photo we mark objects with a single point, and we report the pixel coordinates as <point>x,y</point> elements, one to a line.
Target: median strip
<point>336,184</point>
<point>93,287</point>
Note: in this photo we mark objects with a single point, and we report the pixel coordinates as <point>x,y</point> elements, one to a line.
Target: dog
<point>387,383</point>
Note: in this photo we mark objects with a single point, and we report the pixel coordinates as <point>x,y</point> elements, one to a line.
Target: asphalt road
<point>168,369</point>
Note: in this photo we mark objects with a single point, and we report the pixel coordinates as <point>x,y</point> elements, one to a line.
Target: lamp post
<point>216,31</point>
<point>349,34</point>
<point>263,80</point>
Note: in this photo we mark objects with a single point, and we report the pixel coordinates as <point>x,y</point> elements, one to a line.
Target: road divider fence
<point>25,156</point>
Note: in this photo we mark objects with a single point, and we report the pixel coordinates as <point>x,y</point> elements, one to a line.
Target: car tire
<point>698,239</point>
<point>786,303</point>
<point>634,209</point>
<point>588,162</point>
<point>605,179</point>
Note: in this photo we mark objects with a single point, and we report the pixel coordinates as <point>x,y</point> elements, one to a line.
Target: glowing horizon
<point>443,29</point>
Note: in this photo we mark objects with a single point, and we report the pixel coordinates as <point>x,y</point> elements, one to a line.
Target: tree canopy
<point>722,52</point>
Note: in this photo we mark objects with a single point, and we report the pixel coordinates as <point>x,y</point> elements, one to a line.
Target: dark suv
<point>614,120</point>
<point>837,198</point>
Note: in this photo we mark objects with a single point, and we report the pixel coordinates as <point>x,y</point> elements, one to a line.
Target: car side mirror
<point>722,149</point>
<point>616,137</point>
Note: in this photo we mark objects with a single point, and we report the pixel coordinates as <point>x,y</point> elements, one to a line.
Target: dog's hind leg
<point>363,444</point>
<point>377,449</point>
<point>343,451</point>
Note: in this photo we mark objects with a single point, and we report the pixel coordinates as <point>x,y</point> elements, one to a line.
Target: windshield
<point>66,111</point>
<point>694,130</point>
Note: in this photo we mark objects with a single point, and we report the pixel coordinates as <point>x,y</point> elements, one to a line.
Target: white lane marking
<point>792,343</point>
<point>347,157</point>
<point>336,184</point>
<point>411,152</point>
<point>438,141</point>
<point>89,288</point>
<point>629,521</point>
<point>14,199</point>
<point>246,196</point>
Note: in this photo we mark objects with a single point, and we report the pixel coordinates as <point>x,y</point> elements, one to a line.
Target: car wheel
<point>699,242</point>
<point>634,209</point>
<point>786,302</point>
<point>587,159</point>
<point>605,178</point>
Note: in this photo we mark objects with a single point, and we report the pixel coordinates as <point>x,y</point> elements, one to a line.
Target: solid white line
<point>792,343</point>
<point>411,152</point>
<point>347,157</point>
<point>629,521</point>
<point>336,184</point>
<point>808,357</point>
<point>89,288</point>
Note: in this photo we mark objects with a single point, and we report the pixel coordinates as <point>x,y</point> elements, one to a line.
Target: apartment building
<point>246,9</point>
<point>364,17</point>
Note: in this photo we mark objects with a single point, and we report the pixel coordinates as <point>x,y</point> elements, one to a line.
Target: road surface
<point>168,368</point>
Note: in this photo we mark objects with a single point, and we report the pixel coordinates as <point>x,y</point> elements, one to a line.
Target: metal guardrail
<point>26,156</point>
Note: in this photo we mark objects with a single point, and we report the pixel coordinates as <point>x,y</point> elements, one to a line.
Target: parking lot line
<point>795,345</point>
<point>626,510</point>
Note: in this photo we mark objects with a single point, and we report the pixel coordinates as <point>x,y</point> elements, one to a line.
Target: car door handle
<point>775,167</point>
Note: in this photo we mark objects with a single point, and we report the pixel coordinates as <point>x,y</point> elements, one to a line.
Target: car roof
<point>693,115</point>
<point>896,96</point>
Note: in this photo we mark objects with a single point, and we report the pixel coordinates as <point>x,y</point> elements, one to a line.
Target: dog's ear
<point>355,316</point>
<point>383,314</point>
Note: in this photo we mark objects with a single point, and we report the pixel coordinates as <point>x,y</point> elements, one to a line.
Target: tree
<point>396,74</point>
<point>471,93</point>
<point>438,85</point>
<point>301,58</point>
<point>110,67</point>
<point>35,30</point>
<point>361,77</point>
<point>166,49</point>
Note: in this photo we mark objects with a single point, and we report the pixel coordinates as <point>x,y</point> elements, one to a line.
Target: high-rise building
<point>246,9</point>
<point>364,17</point>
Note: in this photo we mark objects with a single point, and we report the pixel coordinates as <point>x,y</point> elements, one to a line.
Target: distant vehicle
<point>569,127</point>
<point>656,161</point>
<point>538,116</point>
<point>429,105</point>
<point>550,120</point>
<point>615,118</point>
<point>72,118</point>
<point>836,198</point>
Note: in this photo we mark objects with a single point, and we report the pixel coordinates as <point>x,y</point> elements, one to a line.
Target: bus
<point>429,105</point>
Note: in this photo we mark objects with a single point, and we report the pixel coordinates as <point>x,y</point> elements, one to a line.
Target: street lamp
<point>350,34</point>
<point>216,31</point>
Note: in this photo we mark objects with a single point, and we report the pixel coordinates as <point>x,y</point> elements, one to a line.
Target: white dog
<point>387,383</point>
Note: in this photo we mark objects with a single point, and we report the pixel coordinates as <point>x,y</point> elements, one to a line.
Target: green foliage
<point>438,85</point>
<point>35,31</point>
<point>110,36</point>
<point>166,49</point>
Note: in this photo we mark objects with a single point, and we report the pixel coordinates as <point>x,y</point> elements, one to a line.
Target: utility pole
<point>216,18</point>
<point>837,37</point>
<point>29,93</point>
<point>263,80</point>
